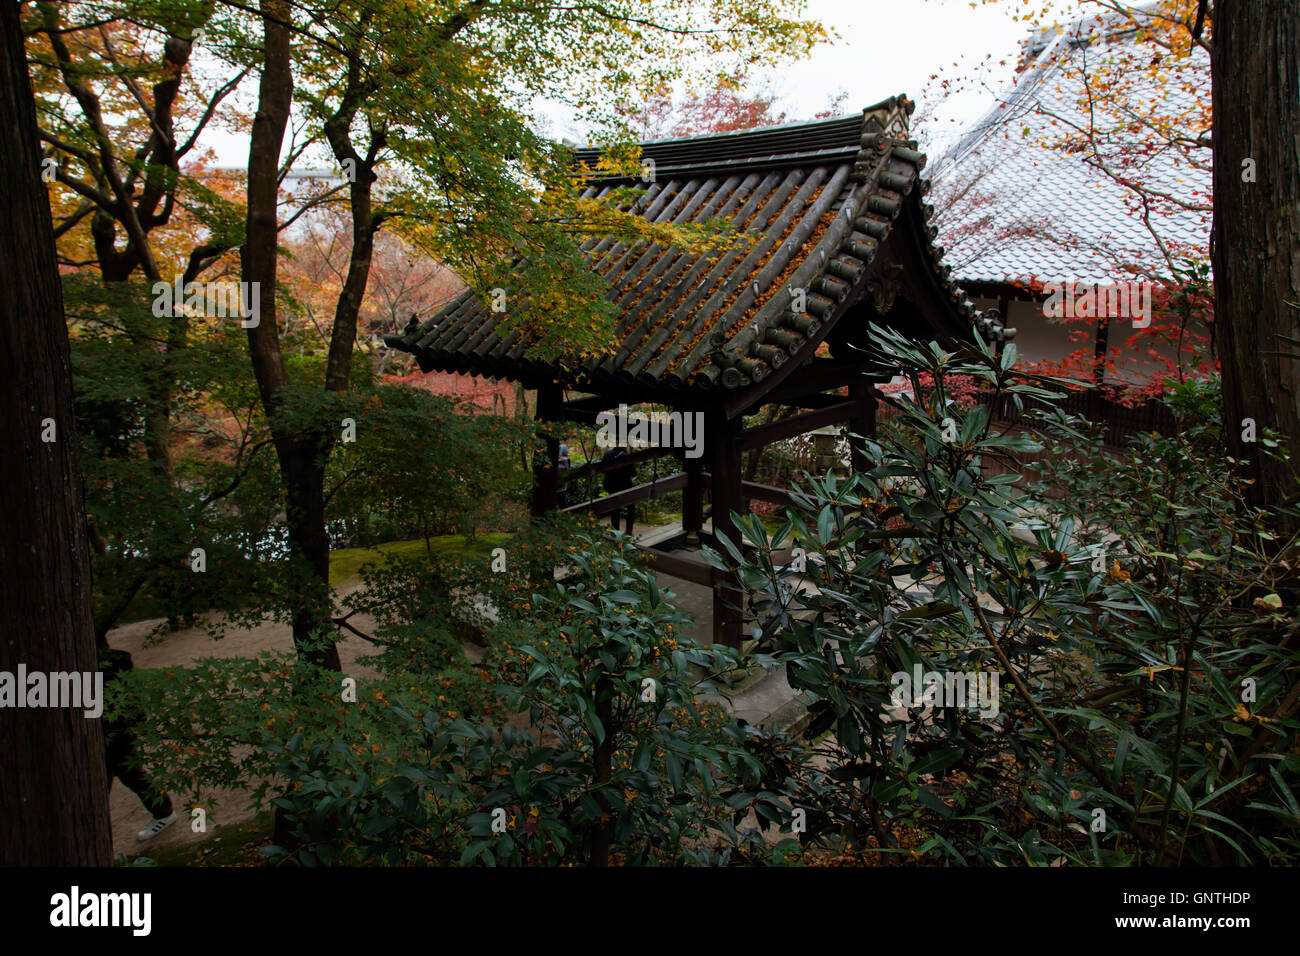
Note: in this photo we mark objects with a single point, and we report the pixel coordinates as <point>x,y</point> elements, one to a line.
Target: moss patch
<point>235,845</point>
<point>347,563</point>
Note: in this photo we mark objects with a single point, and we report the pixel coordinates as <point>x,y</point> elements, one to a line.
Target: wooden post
<point>864,423</point>
<point>722,436</point>
<point>1096,409</point>
<point>693,501</point>
<point>546,473</point>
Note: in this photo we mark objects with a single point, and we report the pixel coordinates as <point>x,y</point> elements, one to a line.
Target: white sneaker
<point>156,826</point>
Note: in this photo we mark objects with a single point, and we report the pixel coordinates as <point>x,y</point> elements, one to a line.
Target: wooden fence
<point>1121,422</point>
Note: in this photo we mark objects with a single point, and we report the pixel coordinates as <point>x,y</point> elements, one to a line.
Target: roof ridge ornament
<point>885,128</point>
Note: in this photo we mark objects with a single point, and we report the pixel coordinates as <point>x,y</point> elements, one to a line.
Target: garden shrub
<point>1146,705</point>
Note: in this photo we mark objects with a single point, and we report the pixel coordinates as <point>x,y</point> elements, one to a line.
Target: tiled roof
<point>1032,213</point>
<point>819,199</point>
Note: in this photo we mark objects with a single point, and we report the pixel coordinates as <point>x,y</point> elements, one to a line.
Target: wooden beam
<point>680,566</point>
<point>585,410</point>
<point>762,435</point>
<point>621,499</point>
<point>761,492</point>
<point>930,294</point>
<point>670,543</point>
<point>819,375</point>
<point>607,395</point>
<point>633,458</point>
<point>813,400</point>
<point>550,402</point>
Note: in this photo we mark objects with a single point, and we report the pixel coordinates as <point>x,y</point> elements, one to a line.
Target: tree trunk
<point>53,783</point>
<point>301,456</point>
<point>338,131</point>
<point>1256,72</point>
<point>304,480</point>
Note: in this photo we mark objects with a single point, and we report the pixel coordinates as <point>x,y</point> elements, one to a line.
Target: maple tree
<point>403,283</point>
<point>425,110</point>
<point>733,102</point>
<point>726,107</point>
<point>110,90</point>
<point>431,87</point>
<point>120,108</point>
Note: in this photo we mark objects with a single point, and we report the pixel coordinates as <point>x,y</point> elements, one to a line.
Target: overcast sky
<point>894,46</point>
<point>885,47</point>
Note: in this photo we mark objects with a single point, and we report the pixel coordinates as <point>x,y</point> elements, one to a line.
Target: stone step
<point>765,700</point>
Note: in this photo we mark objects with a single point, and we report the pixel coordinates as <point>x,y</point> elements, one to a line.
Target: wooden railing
<point>1121,422</point>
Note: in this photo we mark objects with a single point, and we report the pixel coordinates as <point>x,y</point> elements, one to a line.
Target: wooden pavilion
<point>841,238</point>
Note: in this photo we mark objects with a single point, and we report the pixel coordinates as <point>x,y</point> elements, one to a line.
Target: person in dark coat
<point>620,479</point>
<point>562,467</point>
<point>123,757</point>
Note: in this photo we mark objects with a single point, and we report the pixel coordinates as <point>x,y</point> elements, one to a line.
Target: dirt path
<point>184,647</point>
<point>181,649</point>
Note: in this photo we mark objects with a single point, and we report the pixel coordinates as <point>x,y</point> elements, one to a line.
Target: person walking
<point>562,467</point>
<point>123,757</point>
<point>620,479</point>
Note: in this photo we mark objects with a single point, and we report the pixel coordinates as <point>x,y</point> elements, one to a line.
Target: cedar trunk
<point>53,784</point>
<point>1256,70</point>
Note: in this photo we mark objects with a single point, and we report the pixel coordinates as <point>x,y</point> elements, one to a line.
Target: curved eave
<point>869,215</point>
